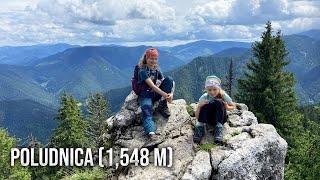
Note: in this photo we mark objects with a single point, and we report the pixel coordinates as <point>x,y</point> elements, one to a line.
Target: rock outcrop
<point>250,151</point>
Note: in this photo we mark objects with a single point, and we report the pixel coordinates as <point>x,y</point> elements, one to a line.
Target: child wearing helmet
<point>212,108</point>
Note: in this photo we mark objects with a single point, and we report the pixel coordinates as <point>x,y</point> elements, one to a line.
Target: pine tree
<point>7,171</point>
<point>229,78</point>
<point>99,111</point>
<point>36,172</point>
<point>72,129</point>
<point>267,88</point>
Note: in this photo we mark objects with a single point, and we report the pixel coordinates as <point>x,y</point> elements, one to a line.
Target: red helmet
<point>152,53</point>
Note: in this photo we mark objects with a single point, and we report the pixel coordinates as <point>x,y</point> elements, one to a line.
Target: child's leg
<point>166,86</point>
<point>198,132</point>
<point>204,118</point>
<point>207,114</point>
<point>214,114</point>
<point>220,113</point>
<point>147,119</point>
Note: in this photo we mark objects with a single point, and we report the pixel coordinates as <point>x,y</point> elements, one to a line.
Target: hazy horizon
<point>152,43</point>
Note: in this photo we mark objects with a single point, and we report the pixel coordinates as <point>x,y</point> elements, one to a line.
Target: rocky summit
<point>250,150</point>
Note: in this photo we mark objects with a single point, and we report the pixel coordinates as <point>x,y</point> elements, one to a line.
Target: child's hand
<point>165,95</point>
<point>225,105</point>
<point>202,103</point>
<point>169,97</point>
<point>228,107</point>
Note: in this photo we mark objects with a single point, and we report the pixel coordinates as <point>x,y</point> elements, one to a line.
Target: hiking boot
<point>153,140</point>
<point>163,109</point>
<point>218,137</point>
<point>198,133</point>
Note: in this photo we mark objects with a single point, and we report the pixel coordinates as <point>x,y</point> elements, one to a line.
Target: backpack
<point>136,86</point>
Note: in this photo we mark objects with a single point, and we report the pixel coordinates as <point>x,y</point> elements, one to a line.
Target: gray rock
<point>238,141</point>
<point>246,118</point>
<point>241,106</point>
<point>250,151</point>
<point>260,157</point>
<point>110,122</point>
<point>235,120</point>
<point>129,114</point>
<point>249,118</point>
<point>124,118</point>
<point>217,155</point>
<point>200,168</point>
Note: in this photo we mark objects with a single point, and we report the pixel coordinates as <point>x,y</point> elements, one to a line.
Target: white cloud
<point>16,5</point>
<point>111,21</point>
<point>239,19</point>
<point>212,12</point>
<point>98,34</point>
<point>105,12</point>
<point>297,25</point>
<point>250,12</point>
<point>305,8</point>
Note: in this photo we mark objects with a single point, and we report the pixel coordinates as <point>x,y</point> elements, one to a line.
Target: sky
<point>158,22</point>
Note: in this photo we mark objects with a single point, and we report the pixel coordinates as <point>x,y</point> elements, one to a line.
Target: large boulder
<point>250,151</point>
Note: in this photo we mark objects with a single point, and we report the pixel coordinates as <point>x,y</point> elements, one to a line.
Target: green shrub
<point>92,174</point>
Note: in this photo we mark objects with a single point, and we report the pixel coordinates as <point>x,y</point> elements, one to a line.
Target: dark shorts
<point>213,112</point>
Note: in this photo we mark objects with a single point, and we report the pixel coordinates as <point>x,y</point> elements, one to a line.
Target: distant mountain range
<point>23,55</point>
<point>190,78</point>
<point>304,54</point>
<point>79,70</point>
<point>313,33</point>
<point>26,117</point>
<point>20,82</point>
<point>35,76</point>
<point>121,57</point>
<point>232,52</point>
<point>30,84</point>
<point>188,52</point>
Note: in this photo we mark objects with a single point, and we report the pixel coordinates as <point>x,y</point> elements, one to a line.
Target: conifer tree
<point>98,112</point>
<point>7,171</point>
<point>36,172</point>
<point>229,78</point>
<point>267,88</point>
<point>71,131</point>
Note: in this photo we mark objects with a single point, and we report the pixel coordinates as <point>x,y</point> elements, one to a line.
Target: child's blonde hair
<point>221,93</point>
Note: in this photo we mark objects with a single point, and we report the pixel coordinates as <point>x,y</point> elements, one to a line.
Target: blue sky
<point>158,22</point>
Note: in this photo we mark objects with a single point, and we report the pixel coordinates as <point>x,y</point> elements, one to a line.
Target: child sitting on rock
<point>153,87</point>
<point>211,109</point>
